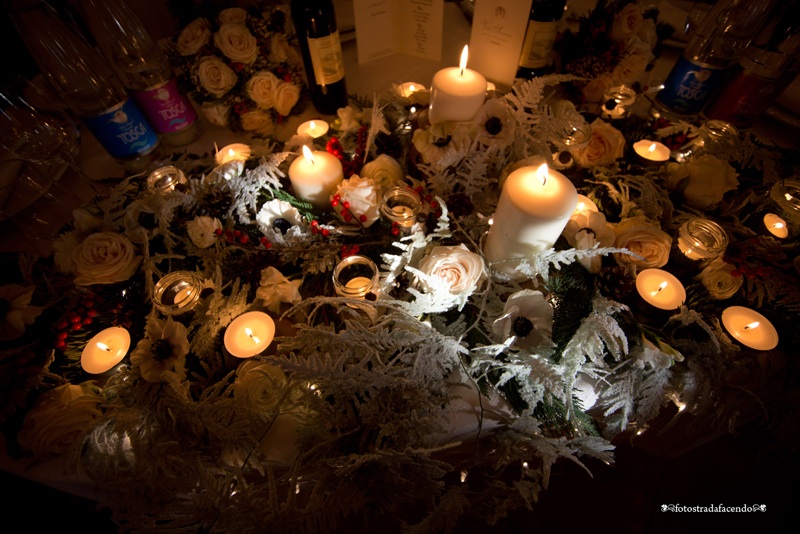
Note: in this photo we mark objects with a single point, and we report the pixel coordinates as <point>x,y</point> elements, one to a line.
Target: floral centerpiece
<point>240,67</point>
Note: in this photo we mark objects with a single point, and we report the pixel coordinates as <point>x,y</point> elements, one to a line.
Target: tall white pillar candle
<point>457,93</point>
<point>315,175</point>
<point>534,207</point>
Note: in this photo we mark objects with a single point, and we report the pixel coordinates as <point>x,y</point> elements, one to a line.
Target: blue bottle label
<point>123,131</point>
<point>690,86</point>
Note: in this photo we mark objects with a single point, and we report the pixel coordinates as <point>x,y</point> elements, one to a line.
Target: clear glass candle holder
<point>617,101</point>
<point>356,277</point>
<point>177,293</point>
<point>399,209</point>
<point>714,136</point>
<point>784,206</point>
<point>166,179</point>
<point>702,239</point>
<point>577,136</point>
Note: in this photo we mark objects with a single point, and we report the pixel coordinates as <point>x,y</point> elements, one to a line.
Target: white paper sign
<point>388,27</point>
<point>498,30</point>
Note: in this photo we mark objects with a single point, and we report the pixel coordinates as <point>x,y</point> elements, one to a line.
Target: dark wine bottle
<point>315,24</point>
<point>536,57</point>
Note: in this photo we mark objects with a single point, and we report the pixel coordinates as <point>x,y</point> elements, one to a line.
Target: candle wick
<point>751,325</point>
<point>103,346</point>
<point>254,338</point>
<point>660,287</point>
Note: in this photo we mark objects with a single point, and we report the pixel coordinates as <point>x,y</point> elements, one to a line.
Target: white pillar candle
<point>249,334</point>
<point>750,328</point>
<point>585,204</point>
<point>315,175</point>
<point>313,128</point>
<point>105,350</point>
<point>776,226</point>
<point>534,207</point>
<point>652,151</point>
<point>457,93</point>
<point>232,152</point>
<point>660,289</point>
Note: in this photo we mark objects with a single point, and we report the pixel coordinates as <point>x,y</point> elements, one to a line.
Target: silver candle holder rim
<point>168,282</point>
<point>166,179</point>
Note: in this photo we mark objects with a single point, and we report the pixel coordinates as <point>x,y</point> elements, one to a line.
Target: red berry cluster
<point>351,165</point>
<point>240,108</point>
<point>315,229</point>
<point>427,198</point>
<point>238,67</point>
<point>75,319</point>
<point>345,212</point>
<point>674,141</point>
<point>350,250</point>
<point>241,238</point>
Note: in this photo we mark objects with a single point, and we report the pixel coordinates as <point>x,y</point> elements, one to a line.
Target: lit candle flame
<point>411,88</point>
<point>254,338</point>
<point>103,346</point>
<point>312,127</point>
<point>778,225</point>
<point>464,55</point>
<point>789,197</point>
<point>581,206</point>
<point>542,172</point>
<point>231,152</point>
<point>307,154</point>
<point>752,325</point>
<point>652,148</point>
<point>660,287</point>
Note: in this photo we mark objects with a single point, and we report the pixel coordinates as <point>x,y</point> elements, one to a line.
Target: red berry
<point>314,222</point>
<point>62,325</point>
<point>268,245</point>
<point>89,304</point>
<point>91,313</point>
<point>61,344</point>
<point>244,239</point>
<point>62,335</point>
<point>76,326</point>
<point>347,217</point>
<point>346,205</point>
<point>334,202</point>
<point>354,249</point>
<point>75,318</point>
<point>218,231</point>
<point>326,232</point>
<point>237,233</point>
<point>395,231</point>
<point>87,320</point>
<point>362,218</point>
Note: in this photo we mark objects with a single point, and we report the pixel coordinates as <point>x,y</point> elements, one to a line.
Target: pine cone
<point>216,202</point>
<point>615,283</point>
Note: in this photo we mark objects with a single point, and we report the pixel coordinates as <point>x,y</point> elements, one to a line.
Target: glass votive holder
<point>166,179</point>
<point>177,293</point>
<point>356,277</point>
<point>714,135</point>
<point>399,209</point>
<point>782,211</point>
<point>617,101</point>
<point>702,239</point>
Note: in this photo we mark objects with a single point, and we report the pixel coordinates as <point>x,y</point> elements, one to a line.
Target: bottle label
<point>744,98</point>
<point>326,57</point>
<point>537,49</point>
<point>167,109</point>
<point>690,86</point>
<point>123,130</point>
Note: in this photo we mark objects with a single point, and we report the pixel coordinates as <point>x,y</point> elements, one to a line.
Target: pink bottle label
<point>167,109</point>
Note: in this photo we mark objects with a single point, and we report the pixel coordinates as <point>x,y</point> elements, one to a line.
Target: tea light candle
<point>233,152</point>
<point>355,277</point>
<point>315,175</point>
<point>750,328</point>
<point>652,151</point>
<point>249,334</point>
<point>105,350</point>
<point>585,204</point>
<point>457,93</point>
<point>313,128</point>
<point>534,207</point>
<point>776,226</point>
<point>660,289</point>
<point>409,88</point>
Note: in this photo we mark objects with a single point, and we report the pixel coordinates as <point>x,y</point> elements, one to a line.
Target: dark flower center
<point>610,104</point>
<point>147,220</point>
<point>588,231</point>
<point>493,126</point>
<point>281,225</point>
<point>162,350</point>
<point>564,157</point>
<point>442,141</point>
<point>522,326</point>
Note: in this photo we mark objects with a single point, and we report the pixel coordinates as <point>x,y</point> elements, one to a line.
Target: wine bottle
<point>315,24</point>
<point>87,84</point>
<point>536,57</point>
<point>143,69</point>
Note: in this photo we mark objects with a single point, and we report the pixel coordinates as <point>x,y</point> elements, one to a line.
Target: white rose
<point>278,209</point>
<point>202,229</point>
<point>384,171</point>
<point>286,97</point>
<point>363,198</point>
<point>703,180</point>
<point>459,268</point>
<point>259,386</point>
<point>627,22</point>
<point>719,280</point>
<point>262,89</point>
<point>630,68</point>
<point>604,147</point>
<point>595,90</point>
<point>644,238</point>
<point>256,121</point>
<point>237,43</point>
<point>216,114</point>
<point>215,76</point>
<point>104,258</point>
<point>193,37</point>
<point>233,15</point>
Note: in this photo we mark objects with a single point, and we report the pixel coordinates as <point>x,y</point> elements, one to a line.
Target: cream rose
<point>215,76</point>
<point>233,15</point>
<point>703,181</point>
<point>104,258</point>
<point>362,195</point>
<point>237,43</point>
<point>59,418</point>
<point>384,171</point>
<point>457,266</point>
<point>719,280</point>
<point>258,386</point>
<point>630,68</point>
<point>202,230</point>
<point>216,114</point>
<point>604,147</point>
<point>262,88</point>
<point>627,22</point>
<point>193,37</point>
<point>256,121</point>
<point>286,97</point>
<point>645,239</point>
<point>595,90</point>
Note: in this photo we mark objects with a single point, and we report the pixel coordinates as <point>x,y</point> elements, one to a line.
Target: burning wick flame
<point>312,127</point>
<point>778,225</point>
<point>254,338</point>
<point>411,88</point>
<point>541,173</point>
<point>660,287</point>
<point>307,154</point>
<point>103,346</point>
<point>464,55</point>
<point>652,148</point>
<point>752,325</point>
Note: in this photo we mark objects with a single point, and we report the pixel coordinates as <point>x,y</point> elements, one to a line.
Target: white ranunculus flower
<point>495,124</point>
<point>257,121</point>
<point>645,239</point>
<point>217,114</point>
<point>17,312</point>
<point>215,76</point>
<point>703,180</point>
<point>233,15</point>
<point>384,171</point>
<point>162,350</point>
<point>286,96</point>
<point>274,288</point>
<point>362,195</point>
<point>104,258</point>
<point>442,142</point>
<point>262,88</point>
<point>462,270</point>
<point>528,316</point>
<point>275,209</point>
<point>237,43</point>
<point>718,278</point>
<point>595,222</point>
<point>604,147</point>
<point>193,37</point>
<point>202,230</point>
